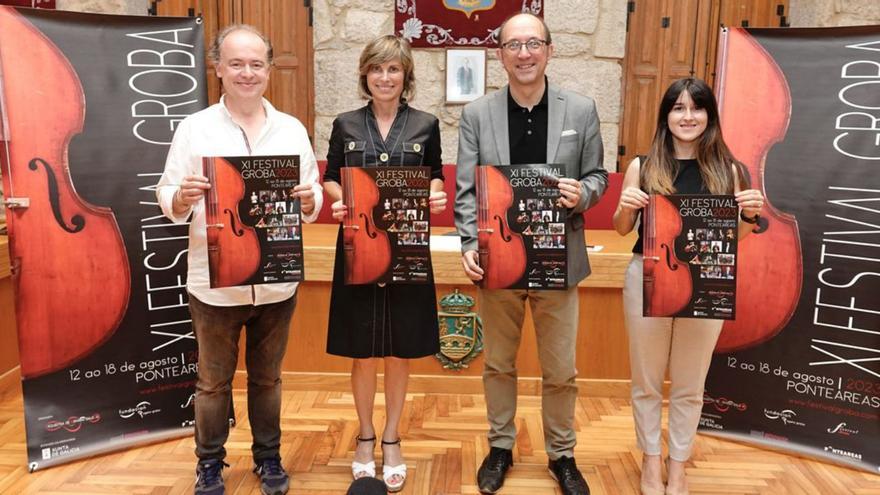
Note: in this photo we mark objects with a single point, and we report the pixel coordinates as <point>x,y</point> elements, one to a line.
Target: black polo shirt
<point>527,131</point>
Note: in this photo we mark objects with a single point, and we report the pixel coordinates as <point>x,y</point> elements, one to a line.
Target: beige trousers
<point>684,345</point>
<point>555,315</point>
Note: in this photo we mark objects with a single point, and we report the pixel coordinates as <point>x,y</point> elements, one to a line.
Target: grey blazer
<point>573,140</point>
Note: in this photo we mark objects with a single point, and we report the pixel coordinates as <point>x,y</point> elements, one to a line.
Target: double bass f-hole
<point>763,225</point>
<point>78,221</point>
<point>370,232</point>
<point>504,236</point>
<point>235,230</point>
<point>670,262</point>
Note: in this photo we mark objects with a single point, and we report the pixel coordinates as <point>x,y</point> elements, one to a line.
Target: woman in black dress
<point>392,322</point>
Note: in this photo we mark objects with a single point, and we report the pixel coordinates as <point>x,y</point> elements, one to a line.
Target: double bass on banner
<point>70,268</point>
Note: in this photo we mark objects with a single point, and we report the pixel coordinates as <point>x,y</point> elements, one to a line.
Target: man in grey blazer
<point>530,121</point>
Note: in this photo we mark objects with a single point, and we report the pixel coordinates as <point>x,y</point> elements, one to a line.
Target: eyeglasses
<point>534,45</point>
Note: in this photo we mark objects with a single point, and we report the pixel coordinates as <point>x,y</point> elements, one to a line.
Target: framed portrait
<point>465,74</point>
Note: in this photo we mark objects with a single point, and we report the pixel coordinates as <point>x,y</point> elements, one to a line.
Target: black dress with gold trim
<point>391,320</point>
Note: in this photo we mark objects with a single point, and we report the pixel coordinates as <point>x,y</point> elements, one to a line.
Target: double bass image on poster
<point>99,274</point>
<point>387,231</point>
<point>521,228</point>
<point>799,368</point>
<point>690,244</point>
<point>253,220</point>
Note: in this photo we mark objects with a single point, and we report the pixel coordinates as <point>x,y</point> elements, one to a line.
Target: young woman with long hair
<point>687,156</point>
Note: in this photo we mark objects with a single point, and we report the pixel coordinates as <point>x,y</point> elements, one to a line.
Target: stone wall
<point>131,7</point>
<point>589,35</point>
<point>828,13</point>
<point>589,38</point>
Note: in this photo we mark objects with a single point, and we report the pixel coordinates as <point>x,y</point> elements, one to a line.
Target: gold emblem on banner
<point>469,6</point>
<point>461,331</point>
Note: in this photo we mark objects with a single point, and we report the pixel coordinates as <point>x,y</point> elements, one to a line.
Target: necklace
<point>386,155</point>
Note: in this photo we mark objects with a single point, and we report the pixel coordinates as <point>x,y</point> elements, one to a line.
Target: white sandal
<point>363,470</point>
<point>389,472</point>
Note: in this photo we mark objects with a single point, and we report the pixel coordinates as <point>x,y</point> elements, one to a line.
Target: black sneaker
<point>490,477</point>
<point>571,481</point>
<point>209,477</point>
<point>273,478</point>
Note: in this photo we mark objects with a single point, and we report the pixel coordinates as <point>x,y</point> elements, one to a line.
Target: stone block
<point>336,76</point>
<point>361,26</point>
<point>324,29</point>
<point>599,79</point>
<point>374,5</point>
<point>609,40</point>
<point>610,142</point>
<point>323,126</point>
<point>867,11</point>
<point>571,45</point>
<point>847,19</point>
<point>136,7</point>
<point>572,16</point>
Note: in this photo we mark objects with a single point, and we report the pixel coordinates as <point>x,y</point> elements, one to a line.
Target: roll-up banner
<point>89,104</point>
<point>799,368</point>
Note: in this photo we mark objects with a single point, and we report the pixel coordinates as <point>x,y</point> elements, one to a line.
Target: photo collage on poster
<point>275,212</point>
<point>543,228</point>
<point>408,218</point>
<point>405,216</point>
<point>714,250</point>
<point>542,220</point>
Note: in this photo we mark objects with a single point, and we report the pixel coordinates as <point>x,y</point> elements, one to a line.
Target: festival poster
<point>253,220</point>
<point>799,368</point>
<point>89,106</point>
<point>690,246</point>
<point>521,228</point>
<point>454,23</point>
<point>387,231</point>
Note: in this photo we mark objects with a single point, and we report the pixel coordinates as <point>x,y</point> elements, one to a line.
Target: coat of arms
<point>469,6</point>
<point>461,331</point>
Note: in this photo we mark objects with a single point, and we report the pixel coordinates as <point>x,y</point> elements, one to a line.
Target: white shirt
<point>212,132</point>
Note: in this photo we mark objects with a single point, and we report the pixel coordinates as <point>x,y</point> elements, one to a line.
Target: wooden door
<point>671,39</point>
<point>286,23</point>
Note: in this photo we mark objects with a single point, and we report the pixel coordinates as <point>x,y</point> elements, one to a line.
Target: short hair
<point>384,49</point>
<point>547,37</point>
<point>214,51</point>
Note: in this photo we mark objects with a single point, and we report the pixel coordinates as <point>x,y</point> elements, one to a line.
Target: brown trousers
<point>555,316</point>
